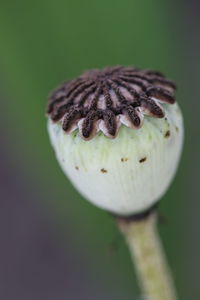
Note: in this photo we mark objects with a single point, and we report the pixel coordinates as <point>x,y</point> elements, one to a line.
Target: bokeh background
<point>55,245</point>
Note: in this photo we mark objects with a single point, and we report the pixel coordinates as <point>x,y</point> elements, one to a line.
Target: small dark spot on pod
<point>123,159</point>
<point>104,170</point>
<point>177,129</point>
<point>167,134</point>
<point>142,159</point>
<point>77,168</point>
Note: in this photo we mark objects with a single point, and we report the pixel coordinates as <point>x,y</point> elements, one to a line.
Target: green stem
<point>148,256</point>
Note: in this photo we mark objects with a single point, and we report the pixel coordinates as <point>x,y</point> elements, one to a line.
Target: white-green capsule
<point>119,138</point>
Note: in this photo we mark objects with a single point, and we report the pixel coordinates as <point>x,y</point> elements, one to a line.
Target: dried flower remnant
<point>105,99</point>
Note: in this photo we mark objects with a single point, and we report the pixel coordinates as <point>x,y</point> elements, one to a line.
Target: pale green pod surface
<point>128,174</point>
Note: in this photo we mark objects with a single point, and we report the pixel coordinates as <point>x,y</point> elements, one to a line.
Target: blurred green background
<point>55,245</point>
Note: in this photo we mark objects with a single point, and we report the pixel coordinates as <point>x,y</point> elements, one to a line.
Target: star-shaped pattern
<point>105,99</point>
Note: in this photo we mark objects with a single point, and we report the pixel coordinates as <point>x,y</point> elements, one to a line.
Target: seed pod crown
<point>105,99</point>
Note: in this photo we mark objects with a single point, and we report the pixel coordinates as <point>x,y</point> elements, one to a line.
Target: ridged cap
<point>105,99</point>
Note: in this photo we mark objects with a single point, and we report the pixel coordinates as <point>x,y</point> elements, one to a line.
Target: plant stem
<point>147,254</point>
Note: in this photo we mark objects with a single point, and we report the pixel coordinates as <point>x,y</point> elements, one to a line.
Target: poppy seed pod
<point>117,134</point>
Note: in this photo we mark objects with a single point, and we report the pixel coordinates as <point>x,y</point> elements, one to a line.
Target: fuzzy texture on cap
<point>103,100</point>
